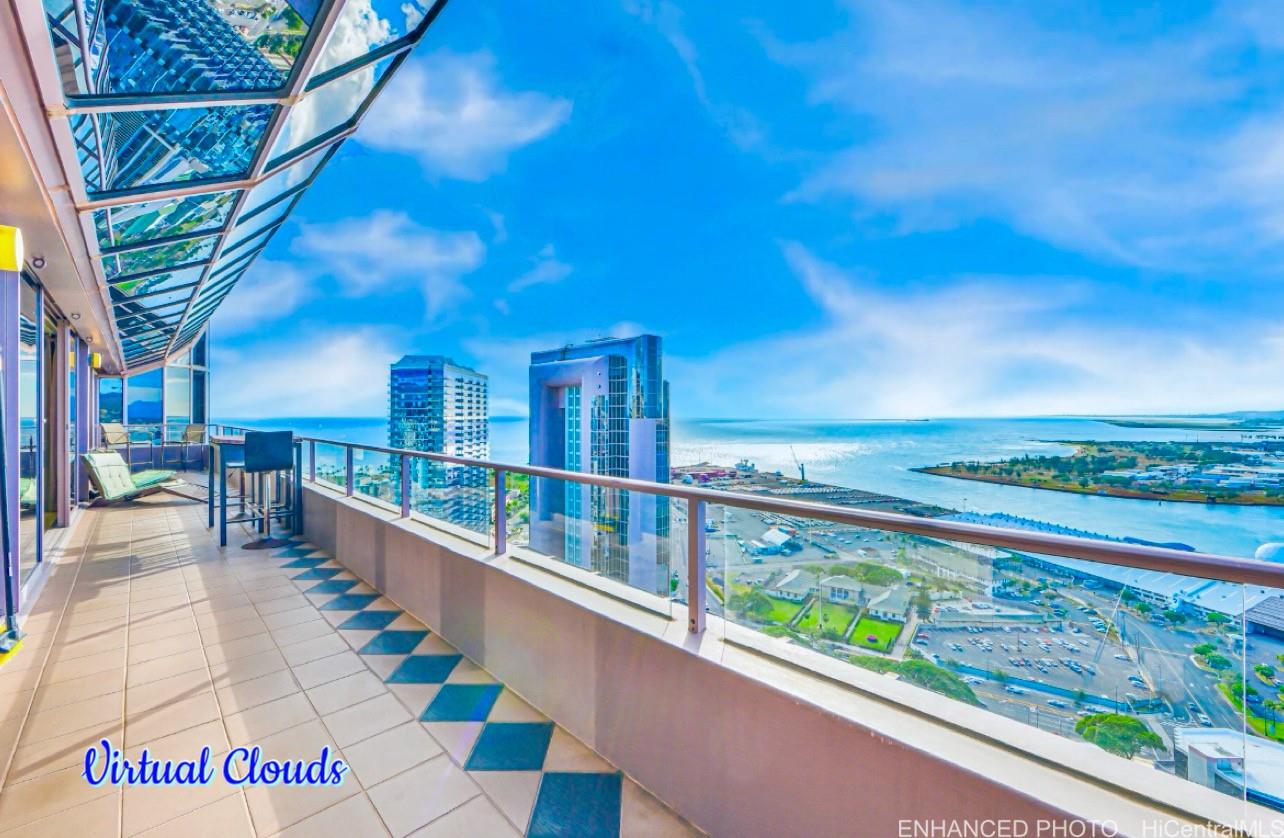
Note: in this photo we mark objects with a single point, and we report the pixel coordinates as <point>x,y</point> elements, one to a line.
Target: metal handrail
<point>1122,554</point>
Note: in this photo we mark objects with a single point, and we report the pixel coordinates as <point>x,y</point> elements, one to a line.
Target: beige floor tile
<point>476,817</point>
<point>301,631</point>
<point>227,650</point>
<point>246,668</point>
<point>276,807</point>
<point>228,616</point>
<point>170,627</point>
<point>234,631</point>
<point>314,649</point>
<point>284,619</point>
<point>361,721</point>
<point>69,718</point>
<point>48,794</point>
<point>327,669</point>
<point>383,665</point>
<point>335,618</point>
<point>357,638</point>
<point>15,705</point>
<point>153,649</point>
<point>345,692</point>
<point>33,758</point>
<point>247,694</point>
<point>419,796</point>
<point>98,817</point>
<point>355,816</point>
<point>159,669</point>
<point>165,691</point>
<point>433,644</point>
<point>185,744</point>
<point>510,708</point>
<point>467,672</point>
<point>250,726</point>
<point>146,807</point>
<point>147,725</point>
<point>286,603</point>
<point>566,753</point>
<point>106,642</point>
<point>457,738</point>
<point>391,752</point>
<point>415,697</point>
<point>407,622</point>
<point>512,792</point>
<point>643,816</point>
<point>226,818</point>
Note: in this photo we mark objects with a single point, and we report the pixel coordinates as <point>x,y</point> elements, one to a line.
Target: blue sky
<point>847,209</point>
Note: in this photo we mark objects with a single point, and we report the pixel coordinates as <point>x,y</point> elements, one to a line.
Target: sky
<point>839,209</point>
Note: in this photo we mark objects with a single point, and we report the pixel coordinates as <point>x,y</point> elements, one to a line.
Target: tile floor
<point>149,635</point>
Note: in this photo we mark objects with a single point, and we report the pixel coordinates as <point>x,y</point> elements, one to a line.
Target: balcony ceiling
<point>189,129</point>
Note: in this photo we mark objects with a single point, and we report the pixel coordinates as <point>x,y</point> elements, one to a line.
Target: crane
<point>802,468</point>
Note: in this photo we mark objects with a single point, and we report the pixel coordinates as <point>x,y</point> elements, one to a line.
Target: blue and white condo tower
<point>437,405</point>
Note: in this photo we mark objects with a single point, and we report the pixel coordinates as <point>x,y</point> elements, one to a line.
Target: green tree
<point>753,603</point>
<point>937,679</point>
<point>1265,670</point>
<point>1174,616</point>
<point>1218,662</point>
<point>1144,608</point>
<point>1118,733</point>
<point>1218,619</point>
<point>1204,649</point>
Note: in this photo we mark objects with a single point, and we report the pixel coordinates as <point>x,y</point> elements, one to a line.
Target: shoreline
<point>1108,492</point>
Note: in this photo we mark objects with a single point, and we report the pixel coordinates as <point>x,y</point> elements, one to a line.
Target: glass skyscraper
<point>437,405</point>
<point>602,407</point>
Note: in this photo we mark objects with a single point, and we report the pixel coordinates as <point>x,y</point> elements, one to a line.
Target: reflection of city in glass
<point>602,407</point>
<point>437,405</point>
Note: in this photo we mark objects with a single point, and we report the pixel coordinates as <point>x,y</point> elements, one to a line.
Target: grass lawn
<point>782,611</point>
<point>837,618</point>
<point>884,631</point>
<point>1255,721</point>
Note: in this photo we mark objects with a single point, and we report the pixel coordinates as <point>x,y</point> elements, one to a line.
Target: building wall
<point>602,407</point>
<point>439,406</point>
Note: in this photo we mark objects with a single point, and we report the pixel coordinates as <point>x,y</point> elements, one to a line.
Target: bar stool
<point>267,451</point>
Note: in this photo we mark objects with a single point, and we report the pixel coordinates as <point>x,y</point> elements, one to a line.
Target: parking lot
<point>1064,658</point>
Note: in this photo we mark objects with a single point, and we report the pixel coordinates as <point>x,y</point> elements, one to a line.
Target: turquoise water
<point>878,456</point>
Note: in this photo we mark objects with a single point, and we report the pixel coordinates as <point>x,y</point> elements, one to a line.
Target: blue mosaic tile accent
<point>295,552</point>
<point>370,620</point>
<point>317,573</point>
<point>398,642</point>
<point>586,805</point>
<point>424,669</point>
<point>462,703</point>
<point>302,563</point>
<point>332,586</point>
<point>349,602</point>
<point>511,746</point>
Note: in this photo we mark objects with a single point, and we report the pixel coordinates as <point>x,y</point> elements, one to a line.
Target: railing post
<point>405,485</point>
<point>695,565</point>
<point>501,512</point>
<point>349,481</point>
<point>312,460</point>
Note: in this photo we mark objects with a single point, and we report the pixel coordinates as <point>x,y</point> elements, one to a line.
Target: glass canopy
<point>196,125</point>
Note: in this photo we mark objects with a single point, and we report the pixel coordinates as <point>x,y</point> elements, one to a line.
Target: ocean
<point>878,456</point>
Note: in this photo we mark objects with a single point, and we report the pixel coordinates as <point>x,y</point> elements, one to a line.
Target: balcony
<point>639,703</point>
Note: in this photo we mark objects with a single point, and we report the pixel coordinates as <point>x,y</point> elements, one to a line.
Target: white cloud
<point>369,253</point>
<point>548,270</point>
<point>1138,149</point>
<point>268,292</point>
<point>740,126</point>
<point>978,347</point>
<point>450,112</point>
<point>343,374</point>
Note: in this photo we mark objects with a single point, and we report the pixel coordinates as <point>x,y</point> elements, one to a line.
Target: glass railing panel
<point>331,465</point>
<point>634,538</point>
<point>376,475</point>
<point>452,494</point>
<point>1151,667</point>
